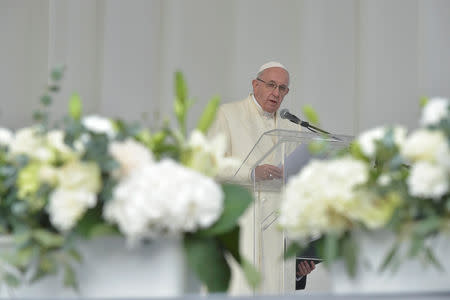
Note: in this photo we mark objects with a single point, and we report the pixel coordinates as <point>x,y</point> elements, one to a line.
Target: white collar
<point>265,114</point>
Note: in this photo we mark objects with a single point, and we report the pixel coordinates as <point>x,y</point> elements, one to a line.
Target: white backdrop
<point>359,63</point>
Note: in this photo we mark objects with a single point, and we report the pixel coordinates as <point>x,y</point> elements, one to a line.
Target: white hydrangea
<point>78,175</point>
<point>30,142</point>
<point>427,145</point>
<point>434,111</point>
<point>67,206</point>
<point>99,125</point>
<point>208,156</point>
<point>130,155</point>
<point>368,138</point>
<point>428,180</point>
<point>6,136</point>
<point>164,198</point>
<point>321,198</point>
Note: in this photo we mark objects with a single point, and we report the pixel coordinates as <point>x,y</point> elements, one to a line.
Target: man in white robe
<point>243,123</point>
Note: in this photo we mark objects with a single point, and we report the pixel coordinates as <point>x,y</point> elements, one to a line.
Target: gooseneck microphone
<point>285,114</point>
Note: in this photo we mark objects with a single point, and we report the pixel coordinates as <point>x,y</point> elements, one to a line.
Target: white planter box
<point>412,276</point>
<point>111,269</point>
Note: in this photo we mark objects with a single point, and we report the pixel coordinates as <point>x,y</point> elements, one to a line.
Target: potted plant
<point>382,205</point>
<point>109,208</point>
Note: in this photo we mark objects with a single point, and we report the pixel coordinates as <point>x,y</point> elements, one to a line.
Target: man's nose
<point>276,92</point>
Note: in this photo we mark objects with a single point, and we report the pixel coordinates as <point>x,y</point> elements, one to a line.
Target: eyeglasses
<point>272,86</point>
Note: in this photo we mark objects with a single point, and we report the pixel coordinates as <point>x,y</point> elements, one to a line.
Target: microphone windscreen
<point>284,113</point>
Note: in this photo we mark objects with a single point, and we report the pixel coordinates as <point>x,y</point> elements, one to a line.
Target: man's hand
<point>267,172</point>
<point>304,268</point>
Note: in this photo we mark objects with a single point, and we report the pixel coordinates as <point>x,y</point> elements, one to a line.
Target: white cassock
<point>242,123</point>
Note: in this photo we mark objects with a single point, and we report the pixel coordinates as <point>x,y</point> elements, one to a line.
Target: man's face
<point>269,97</point>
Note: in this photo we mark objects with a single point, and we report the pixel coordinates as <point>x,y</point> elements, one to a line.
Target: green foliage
<point>349,250</point>
<point>208,115</point>
<point>182,103</point>
<point>237,199</point>
<point>310,114</point>
<point>293,250</point>
<point>28,183</point>
<point>75,107</point>
<point>413,218</point>
<point>252,275</point>
<point>206,257</point>
<point>423,101</point>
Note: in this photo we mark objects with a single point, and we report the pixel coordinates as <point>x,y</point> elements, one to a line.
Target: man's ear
<point>255,83</point>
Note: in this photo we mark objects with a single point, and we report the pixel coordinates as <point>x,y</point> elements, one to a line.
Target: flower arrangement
<point>91,176</point>
<point>387,180</point>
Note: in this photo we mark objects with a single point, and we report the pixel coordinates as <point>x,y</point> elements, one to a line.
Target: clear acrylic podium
<point>262,240</point>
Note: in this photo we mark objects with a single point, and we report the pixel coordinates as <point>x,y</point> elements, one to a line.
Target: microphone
<point>285,114</point>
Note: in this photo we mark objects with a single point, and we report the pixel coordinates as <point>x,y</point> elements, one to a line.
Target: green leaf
<point>317,147</point>
<point>181,87</point>
<point>252,275</point>
<point>389,257</point>
<point>57,73</point>
<point>48,239</point>
<point>432,258</point>
<point>331,248</point>
<point>230,241</point>
<point>423,101</point>
<point>22,257</point>
<point>209,114</point>
<point>91,219</point>
<point>46,100</point>
<point>207,259</point>
<point>427,226</point>
<point>417,244</point>
<point>11,280</point>
<point>22,237</point>
<point>74,254</point>
<point>53,87</point>
<point>75,107</point>
<point>237,199</point>
<point>292,250</point>
<point>70,278</point>
<point>350,253</point>
<point>102,230</point>
<point>356,151</point>
<point>39,116</point>
<point>310,114</point>
<point>47,265</point>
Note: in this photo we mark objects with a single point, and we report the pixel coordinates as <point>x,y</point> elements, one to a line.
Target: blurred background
<point>358,63</point>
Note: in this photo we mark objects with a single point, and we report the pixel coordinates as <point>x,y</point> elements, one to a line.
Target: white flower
<point>434,111</point>
<point>78,175</point>
<point>130,155</point>
<point>55,140</point>
<point>67,206</point>
<point>428,180</point>
<point>48,174</point>
<point>99,125</point>
<point>367,140</point>
<point>427,145</point>
<point>322,198</point>
<point>30,142</point>
<point>208,156</point>
<point>164,198</point>
<point>384,180</point>
<point>6,136</point>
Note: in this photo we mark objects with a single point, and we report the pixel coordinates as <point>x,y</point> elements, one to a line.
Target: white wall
<point>359,63</point>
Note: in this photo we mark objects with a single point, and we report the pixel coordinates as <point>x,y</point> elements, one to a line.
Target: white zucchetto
<point>272,64</point>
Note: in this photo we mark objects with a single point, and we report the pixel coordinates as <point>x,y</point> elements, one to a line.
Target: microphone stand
<point>314,128</point>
